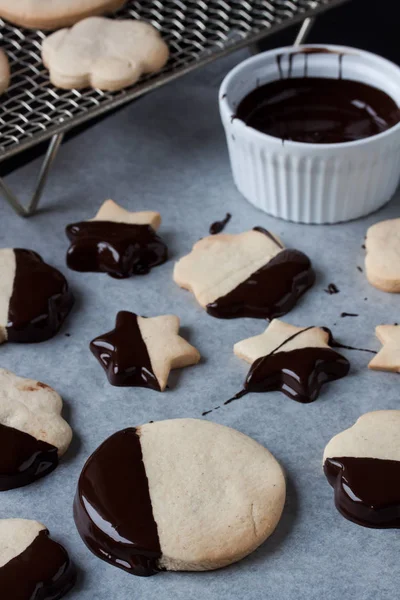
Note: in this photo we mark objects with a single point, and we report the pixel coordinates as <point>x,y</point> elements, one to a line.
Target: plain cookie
<point>52,14</point>
<point>388,358</point>
<point>103,53</point>
<point>33,434</point>
<point>184,495</point>
<point>4,72</point>
<point>116,241</point>
<point>32,565</point>
<point>246,275</point>
<point>382,261</point>
<point>34,297</point>
<point>362,464</point>
<point>140,352</point>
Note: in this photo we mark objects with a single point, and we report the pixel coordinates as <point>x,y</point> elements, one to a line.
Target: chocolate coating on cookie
<point>271,291</point>
<point>23,458</point>
<point>43,571</point>
<point>119,249</point>
<point>112,508</point>
<point>123,354</point>
<point>40,299</point>
<point>367,490</point>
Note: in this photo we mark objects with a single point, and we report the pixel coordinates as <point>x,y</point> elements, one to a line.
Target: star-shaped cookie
<point>249,274</point>
<point>116,241</point>
<point>388,358</point>
<point>140,351</point>
<point>295,360</point>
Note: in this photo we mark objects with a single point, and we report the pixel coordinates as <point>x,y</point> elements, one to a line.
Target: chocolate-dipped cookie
<point>117,242</point>
<point>246,275</point>
<point>362,464</point>
<point>178,495</point>
<point>34,297</point>
<point>140,352</point>
<point>33,435</point>
<point>294,360</point>
<point>32,565</point>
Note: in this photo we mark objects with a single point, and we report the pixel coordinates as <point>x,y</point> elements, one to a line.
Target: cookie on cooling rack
<point>52,14</point>
<point>4,72</point>
<point>103,53</point>
<point>183,495</point>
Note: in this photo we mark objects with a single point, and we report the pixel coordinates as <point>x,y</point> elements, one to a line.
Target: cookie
<point>32,565</point>
<point>294,360</point>
<point>34,297</point>
<point>388,358</point>
<point>382,261</point>
<point>362,464</point>
<point>141,352</point>
<point>103,53</point>
<point>52,14</point>
<point>33,435</point>
<point>117,242</point>
<point>4,72</point>
<point>246,275</point>
<point>178,495</point>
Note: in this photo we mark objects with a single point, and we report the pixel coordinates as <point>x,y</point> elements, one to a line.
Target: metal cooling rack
<point>197,32</point>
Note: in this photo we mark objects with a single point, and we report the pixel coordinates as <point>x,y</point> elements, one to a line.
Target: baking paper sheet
<point>167,152</point>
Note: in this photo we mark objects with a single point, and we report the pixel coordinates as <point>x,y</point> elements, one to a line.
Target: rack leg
<point>304,30</point>
<point>30,209</point>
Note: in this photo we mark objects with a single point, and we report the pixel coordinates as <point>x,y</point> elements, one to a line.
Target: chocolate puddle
<point>112,508</point>
<point>23,458</point>
<point>367,490</point>
<point>123,354</point>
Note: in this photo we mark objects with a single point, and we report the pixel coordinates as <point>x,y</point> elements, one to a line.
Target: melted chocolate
<point>119,249</point>
<point>346,314</point>
<point>23,458</point>
<point>41,572</point>
<point>123,354</point>
<point>332,289</point>
<point>112,509</point>
<point>318,110</point>
<point>367,490</point>
<point>270,292</point>
<point>40,300</point>
<point>219,226</point>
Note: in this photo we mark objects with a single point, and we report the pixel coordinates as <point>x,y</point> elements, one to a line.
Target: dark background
<point>368,24</point>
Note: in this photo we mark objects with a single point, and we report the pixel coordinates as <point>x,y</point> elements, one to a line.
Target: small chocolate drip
<point>123,354</point>
<point>41,572</point>
<point>367,490</point>
<point>332,289</point>
<point>270,292</point>
<point>119,249</point>
<point>236,397</point>
<point>359,269</point>
<point>336,344</point>
<point>40,300</point>
<point>269,235</point>
<point>346,314</point>
<point>363,247</point>
<point>219,226</point>
<point>23,458</point>
<point>112,508</point>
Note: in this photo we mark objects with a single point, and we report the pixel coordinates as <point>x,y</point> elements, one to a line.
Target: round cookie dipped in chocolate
<point>178,495</point>
<point>32,565</point>
<point>245,275</point>
<point>362,464</point>
<point>34,297</point>
<point>117,242</point>
<point>33,434</point>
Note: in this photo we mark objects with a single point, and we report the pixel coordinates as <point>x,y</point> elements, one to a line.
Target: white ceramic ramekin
<point>312,183</point>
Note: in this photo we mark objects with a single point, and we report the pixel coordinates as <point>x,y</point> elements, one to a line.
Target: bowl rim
<point>227,111</point>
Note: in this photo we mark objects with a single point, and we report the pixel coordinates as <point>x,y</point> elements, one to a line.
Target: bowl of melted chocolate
<point>313,132</point>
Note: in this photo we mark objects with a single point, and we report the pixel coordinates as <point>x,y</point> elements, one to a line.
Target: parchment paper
<point>167,152</point>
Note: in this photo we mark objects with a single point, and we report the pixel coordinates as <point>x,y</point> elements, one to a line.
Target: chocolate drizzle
<point>219,226</point>
<point>119,249</point>
<point>332,289</point>
<point>112,508</point>
<point>123,354</point>
<point>270,292</point>
<point>23,458</point>
<point>41,572</point>
<point>367,490</point>
<point>40,300</point>
<point>317,110</point>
